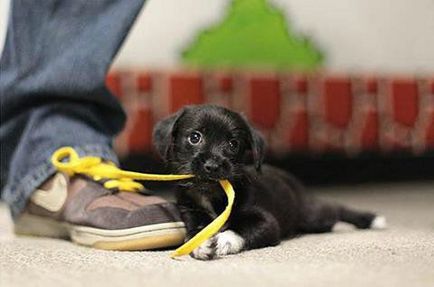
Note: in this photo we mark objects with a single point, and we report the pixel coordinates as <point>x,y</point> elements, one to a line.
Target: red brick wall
<point>297,113</point>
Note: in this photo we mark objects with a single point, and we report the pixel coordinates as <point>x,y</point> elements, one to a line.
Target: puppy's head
<point>208,141</point>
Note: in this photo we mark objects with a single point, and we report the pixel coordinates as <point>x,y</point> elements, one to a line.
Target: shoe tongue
<point>79,182</point>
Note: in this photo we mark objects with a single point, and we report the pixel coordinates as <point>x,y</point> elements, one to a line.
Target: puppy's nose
<point>211,166</point>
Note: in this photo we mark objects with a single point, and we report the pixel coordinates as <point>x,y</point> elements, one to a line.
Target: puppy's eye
<point>195,138</point>
<point>234,144</point>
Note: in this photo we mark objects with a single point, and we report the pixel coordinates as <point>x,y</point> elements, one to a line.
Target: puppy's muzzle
<point>214,168</point>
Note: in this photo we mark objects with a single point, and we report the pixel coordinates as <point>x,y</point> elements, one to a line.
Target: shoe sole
<point>130,239</point>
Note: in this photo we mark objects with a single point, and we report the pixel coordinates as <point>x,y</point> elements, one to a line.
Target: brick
<point>298,135</point>
<point>371,85</point>
<point>225,83</point>
<point>144,82</point>
<point>396,138</point>
<point>429,132</point>
<point>369,139</point>
<point>265,99</point>
<point>404,97</point>
<point>299,84</point>
<point>113,82</point>
<point>321,143</point>
<point>139,135</point>
<point>337,99</point>
<point>185,89</point>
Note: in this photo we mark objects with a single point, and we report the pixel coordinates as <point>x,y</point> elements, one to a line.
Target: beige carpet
<point>403,255</point>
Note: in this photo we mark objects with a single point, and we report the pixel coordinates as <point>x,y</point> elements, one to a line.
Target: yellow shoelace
<point>66,160</point>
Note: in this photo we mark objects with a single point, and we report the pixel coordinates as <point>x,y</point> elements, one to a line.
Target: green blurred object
<point>254,34</point>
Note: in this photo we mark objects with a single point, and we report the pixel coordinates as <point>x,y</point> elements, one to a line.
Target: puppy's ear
<point>163,134</point>
<point>257,145</point>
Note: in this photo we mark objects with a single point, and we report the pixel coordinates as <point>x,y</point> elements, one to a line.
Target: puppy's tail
<point>362,220</point>
<point>321,217</point>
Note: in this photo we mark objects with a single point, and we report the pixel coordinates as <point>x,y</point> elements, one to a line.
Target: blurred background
<point>342,90</point>
<point>392,36</point>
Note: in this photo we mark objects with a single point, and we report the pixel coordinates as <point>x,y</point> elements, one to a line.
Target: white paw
<point>379,222</point>
<point>228,242</point>
<point>206,251</point>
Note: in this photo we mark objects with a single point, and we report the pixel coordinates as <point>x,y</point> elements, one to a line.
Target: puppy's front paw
<point>229,242</point>
<point>206,251</point>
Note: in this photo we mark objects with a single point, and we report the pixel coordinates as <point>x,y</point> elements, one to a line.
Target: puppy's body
<point>270,204</point>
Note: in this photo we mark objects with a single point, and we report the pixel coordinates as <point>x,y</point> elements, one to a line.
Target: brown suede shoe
<point>88,214</point>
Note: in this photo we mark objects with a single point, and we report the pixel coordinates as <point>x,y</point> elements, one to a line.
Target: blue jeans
<point>52,91</point>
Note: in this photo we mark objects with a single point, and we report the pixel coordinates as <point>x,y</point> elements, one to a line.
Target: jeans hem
<point>17,194</point>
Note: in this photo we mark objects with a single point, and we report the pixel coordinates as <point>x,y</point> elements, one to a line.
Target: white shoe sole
<point>135,238</point>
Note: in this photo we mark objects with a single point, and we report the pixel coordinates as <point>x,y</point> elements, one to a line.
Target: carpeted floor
<point>403,255</point>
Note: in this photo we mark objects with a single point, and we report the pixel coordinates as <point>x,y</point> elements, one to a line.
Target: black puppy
<point>212,142</point>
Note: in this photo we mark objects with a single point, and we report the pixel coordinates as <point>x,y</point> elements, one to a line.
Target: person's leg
<point>53,94</point>
<point>52,88</point>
